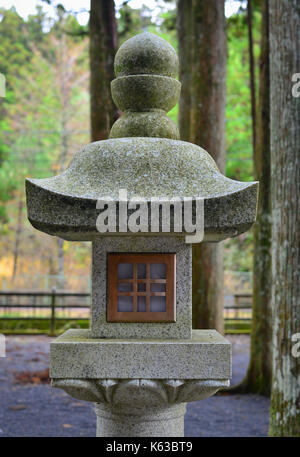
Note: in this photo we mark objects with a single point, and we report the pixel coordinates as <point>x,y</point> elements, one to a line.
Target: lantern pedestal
<point>140,387</point>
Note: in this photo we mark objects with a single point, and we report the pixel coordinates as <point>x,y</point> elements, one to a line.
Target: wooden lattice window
<point>141,287</point>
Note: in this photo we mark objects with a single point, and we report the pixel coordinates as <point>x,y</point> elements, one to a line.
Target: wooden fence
<point>237,312</point>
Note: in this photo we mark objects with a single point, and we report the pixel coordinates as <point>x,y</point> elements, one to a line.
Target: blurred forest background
<point>45,119</point>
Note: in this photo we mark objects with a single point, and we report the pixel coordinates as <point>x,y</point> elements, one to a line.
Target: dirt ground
<point>30,407</point>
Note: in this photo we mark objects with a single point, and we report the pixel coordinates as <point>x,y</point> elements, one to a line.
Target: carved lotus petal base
<point>140,407</point>
<point>140,392</point>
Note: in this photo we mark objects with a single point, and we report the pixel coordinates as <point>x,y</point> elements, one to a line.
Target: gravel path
<point>38,410</point>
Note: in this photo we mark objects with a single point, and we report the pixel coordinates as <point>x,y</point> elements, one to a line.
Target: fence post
<point>52,321</point>
<point>236,305</point>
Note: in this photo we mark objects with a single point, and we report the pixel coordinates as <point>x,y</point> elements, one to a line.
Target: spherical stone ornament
<point>146,67</point>
<point>144,124</point>
<point>145,92</point>
<point>146,54</point>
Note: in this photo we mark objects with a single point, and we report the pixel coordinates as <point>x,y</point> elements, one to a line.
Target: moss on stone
<point>145,92</point>
<point>144,54</point>
<point>145,124</point>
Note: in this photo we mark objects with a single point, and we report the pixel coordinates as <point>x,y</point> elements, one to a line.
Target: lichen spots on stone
<point>146,124</point>
<point>146,67</point>
<point>146,54</point>
<point>145,92</point>
<point>148,167</point>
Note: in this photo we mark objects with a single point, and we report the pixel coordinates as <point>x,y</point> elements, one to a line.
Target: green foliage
<point>239,151</point>
<point>74,29</point>
<point>129,22</point>
<point>169,23</point>
<point>15,56</point>
<point>7,183</point>
<point>239,252</point>
<point>239,327</point>
<point>32,325</point>
<point>132,21</point>
<point>46,72</point>
<point>14,44</point>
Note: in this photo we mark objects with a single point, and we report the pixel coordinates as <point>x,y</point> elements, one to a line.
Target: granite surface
<point>145,88</point>
<point>182,328</point>
<point>146,421</point>
<point>154,123</point>
<point>146,54</point>
<point>140,393</point>
<point>77,355</point>
<point>65,205</point>
<point>145,92</point>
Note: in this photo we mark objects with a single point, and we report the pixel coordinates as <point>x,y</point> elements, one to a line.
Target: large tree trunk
<point>252,73</point>
<point>258,378</point>
<point>208,131</point>
<point>103,45</point>
<point>285,173</point>
<point>185,48</point>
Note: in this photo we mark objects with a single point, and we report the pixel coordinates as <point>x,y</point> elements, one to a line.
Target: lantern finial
<point>145,88</point>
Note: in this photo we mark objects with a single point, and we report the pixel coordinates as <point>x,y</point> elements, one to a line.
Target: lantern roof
<point>143,156</point>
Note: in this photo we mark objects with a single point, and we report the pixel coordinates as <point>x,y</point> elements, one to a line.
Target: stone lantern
<point>140,362</point>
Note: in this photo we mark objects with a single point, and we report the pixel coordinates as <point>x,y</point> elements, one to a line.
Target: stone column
<point>142,420</point>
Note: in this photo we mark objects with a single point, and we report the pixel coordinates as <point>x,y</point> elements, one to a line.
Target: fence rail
<point>236,310</point>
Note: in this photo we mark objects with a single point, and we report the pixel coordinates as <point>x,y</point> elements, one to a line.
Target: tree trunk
<point>208,131</point>
<point>208,286</point>
<point>285,173</point>
<point>252,73</point>
<point>185,46</point>
<point>103,45</point>
<point>258,378</point>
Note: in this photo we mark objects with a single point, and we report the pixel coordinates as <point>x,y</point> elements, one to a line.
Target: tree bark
<point>258,378</point>
<point>252,73</point>
<point>285,174</point>
<point>185,47</point>
<point>208,131</point>
<point>103,45</point>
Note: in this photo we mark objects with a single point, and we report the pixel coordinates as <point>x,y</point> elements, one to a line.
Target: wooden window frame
<point>113,315</point>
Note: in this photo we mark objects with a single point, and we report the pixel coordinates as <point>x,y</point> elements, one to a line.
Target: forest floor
<point>30,407</point>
